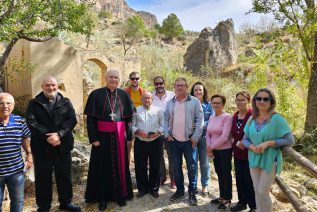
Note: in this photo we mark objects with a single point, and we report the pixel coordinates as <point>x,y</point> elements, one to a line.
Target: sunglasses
<point>134,78</point>
<point>158,83</point>
<point>260,99</point>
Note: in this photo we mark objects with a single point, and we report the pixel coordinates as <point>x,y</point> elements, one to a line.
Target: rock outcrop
<point>150,20</point>
<point>121,10</point>
<point>118,8</point>
<point>216,48</point>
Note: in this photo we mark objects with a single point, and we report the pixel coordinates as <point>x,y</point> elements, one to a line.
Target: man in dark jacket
<point>51,119</point>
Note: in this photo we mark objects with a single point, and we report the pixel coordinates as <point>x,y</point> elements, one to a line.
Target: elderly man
<point>148,127</point>
<point>51,119</point>
<point>183,128</point>
<point>13,134</point>
<point>109,113</point>
<point>160,98</point>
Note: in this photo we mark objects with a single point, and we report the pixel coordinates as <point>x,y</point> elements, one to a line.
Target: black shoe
<point>216,201</point>
<point>252,210</point>
<point>141,194</point>
<point>224,205</point>
<point>122,203</point>
<point>102,206</point>
<point>177,195</point>
<point>192,200</point>
<point>155,194</point>
<point>238,207</point>
<point>70,207</point>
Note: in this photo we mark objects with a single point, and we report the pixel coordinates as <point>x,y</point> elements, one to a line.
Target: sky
<point>197,14</point>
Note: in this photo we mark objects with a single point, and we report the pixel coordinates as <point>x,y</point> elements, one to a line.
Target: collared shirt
<point>179,121</point>
<point>11,135</point>
<point>161,102</point>
<point>148,120</point>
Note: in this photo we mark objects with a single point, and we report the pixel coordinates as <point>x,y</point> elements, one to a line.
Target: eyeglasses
<point>264,99</point>
<point>136,78</point>
<point>158,83</point>
<point>2,104</point>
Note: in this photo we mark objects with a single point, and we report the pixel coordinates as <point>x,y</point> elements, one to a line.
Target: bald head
<point>6,105</point>
<point>112,79</point>
<point>49,79</point>
<point>146,99</point>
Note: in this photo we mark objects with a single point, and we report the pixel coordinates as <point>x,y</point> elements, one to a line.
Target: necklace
<point>112,107</point>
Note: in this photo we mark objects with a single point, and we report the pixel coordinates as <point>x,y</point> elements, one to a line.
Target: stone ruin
<point>215,48</point>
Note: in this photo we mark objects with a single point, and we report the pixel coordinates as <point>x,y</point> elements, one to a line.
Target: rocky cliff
<point>121,10</point>
<point>216,48</point>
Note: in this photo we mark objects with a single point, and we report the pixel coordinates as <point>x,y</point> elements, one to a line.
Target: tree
<point>40,20</point>
<point>300,17</point>
<point>131,32</point>
<point>171,27</point>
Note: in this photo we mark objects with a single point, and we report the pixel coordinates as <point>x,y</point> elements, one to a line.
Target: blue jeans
<point>178,149</point>
<point>203,159</point>
<point>15,184</point>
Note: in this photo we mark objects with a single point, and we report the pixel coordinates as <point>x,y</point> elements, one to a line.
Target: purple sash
<point>119,129</point>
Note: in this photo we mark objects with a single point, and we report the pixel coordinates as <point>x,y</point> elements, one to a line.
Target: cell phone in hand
<point>151,133</point>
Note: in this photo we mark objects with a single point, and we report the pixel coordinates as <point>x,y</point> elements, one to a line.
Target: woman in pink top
<point>219,146</point>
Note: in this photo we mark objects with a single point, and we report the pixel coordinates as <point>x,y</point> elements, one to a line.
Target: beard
<point>159,90</point>
<point>51,96</point>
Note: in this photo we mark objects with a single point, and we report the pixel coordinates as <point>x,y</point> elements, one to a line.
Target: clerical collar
<point>110,90</point>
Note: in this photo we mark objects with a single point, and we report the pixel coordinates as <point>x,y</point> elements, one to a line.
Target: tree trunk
<point>7,52</point>
<point>311,112</point>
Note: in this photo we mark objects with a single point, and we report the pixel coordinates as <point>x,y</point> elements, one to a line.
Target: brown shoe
<point>173,184</point>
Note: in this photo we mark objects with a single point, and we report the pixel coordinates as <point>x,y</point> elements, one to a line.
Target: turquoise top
<point>276,128</point>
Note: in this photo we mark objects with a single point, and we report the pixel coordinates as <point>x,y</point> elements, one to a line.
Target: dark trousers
<point>43,170</point>
<point>170,163</point>
<point>222,163</point>
<point>244,183</point>
<point>143,152</point>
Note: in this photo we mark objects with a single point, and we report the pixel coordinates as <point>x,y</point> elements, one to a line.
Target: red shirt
<point>237,134</point>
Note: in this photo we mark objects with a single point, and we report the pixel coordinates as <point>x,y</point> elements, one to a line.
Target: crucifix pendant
<point>112,115</point>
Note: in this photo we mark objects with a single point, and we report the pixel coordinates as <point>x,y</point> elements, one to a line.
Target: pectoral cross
<point>112,115</point>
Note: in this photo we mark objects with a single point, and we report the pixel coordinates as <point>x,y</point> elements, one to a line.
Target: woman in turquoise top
<point>265,132</point>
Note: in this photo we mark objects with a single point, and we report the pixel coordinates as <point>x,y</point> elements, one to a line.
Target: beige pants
<point>262,182</point>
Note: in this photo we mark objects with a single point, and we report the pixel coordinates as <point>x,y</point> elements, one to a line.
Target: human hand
<point>240,145</point>
<point>53,139</point>
<point>194,143</point>
<point>262,147</point>
<point>28,161</point>
<point>170,138</point>
<point>96,143</point>
<point>141,134</point>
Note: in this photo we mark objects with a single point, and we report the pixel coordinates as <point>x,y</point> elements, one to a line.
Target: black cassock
<point>109,176</point>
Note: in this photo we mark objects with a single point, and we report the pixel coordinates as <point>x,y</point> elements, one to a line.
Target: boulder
<point>216,48</point>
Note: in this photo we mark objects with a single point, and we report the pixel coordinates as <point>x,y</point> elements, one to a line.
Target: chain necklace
<point>112,108</point>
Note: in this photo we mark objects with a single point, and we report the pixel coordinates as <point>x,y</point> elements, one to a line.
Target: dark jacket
<point>61,119</point>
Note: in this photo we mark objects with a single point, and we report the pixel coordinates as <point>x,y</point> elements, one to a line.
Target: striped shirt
<point>11,135</point>
<point>148,120</point>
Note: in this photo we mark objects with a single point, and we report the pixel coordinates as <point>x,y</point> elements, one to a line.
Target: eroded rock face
<point>150,20</point>
<point>216,48</point>
<point>119,8</point>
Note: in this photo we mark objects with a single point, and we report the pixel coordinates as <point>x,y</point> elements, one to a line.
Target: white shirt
<point>161,103</point>
<point>148,120</point>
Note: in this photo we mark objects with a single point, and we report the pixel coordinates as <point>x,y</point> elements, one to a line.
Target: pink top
<point>218,131</point>
<point>179,121</point>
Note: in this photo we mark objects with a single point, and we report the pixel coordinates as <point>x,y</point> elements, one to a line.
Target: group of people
<point>189,125</point>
